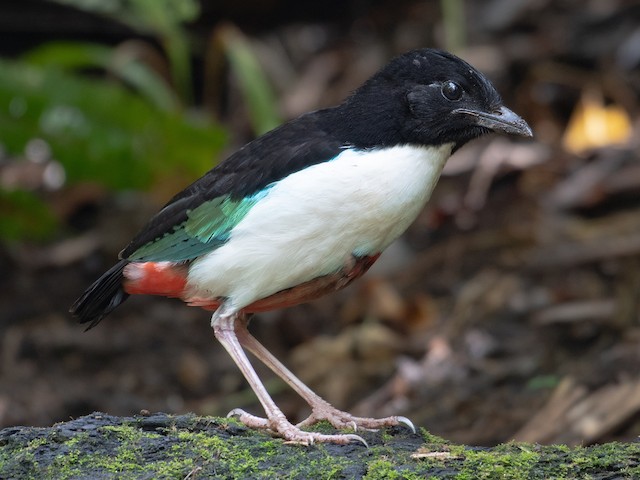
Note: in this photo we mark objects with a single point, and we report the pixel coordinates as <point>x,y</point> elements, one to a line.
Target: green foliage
<point>128,128</point>
<point>543,382</point>
<point>100,131</point>
<point>120,62</point>
<point>252,81</point>
<point>163,19</point>
<point>23,215</point>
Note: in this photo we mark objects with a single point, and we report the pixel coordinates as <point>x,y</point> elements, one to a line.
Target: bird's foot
<point>340,420</point>
<point>281,427</point>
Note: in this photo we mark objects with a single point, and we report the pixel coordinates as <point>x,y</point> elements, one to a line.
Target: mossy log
<point>161,446</point>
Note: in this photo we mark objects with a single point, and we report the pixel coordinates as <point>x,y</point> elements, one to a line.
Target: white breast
<point>310,222</point>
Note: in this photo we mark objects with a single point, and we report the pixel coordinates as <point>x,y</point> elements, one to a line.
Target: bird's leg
<point>224,324</point>
<point>320,408</point>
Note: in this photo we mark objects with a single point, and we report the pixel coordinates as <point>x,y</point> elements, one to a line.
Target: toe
<point>248,419</point>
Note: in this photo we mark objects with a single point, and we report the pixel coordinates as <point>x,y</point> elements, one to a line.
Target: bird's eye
<point>451,91</point>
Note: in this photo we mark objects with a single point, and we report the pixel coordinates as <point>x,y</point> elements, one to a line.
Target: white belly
<point>310,222</point>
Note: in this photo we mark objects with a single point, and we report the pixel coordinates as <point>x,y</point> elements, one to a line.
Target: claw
<point>357,438</point>
<point>408,423</point>
<point>236,412</point>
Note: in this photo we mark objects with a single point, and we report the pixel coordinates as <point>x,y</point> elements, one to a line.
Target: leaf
<point>162,18</point>
<point>254,85</point>
<point>594,125</point>
<point>121,62</point>
<point>100,131</point>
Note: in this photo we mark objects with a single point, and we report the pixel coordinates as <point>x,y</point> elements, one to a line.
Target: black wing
<point>268,159</point>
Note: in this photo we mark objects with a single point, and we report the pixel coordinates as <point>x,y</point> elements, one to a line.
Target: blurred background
<point>508,311</point>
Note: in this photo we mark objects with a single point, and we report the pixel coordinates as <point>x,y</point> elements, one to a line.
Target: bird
<point>303,211</point>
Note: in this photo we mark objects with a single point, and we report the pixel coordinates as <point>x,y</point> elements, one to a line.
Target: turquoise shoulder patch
<point>207,227</point>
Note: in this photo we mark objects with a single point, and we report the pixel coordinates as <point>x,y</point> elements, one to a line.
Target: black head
<point>426,97</point>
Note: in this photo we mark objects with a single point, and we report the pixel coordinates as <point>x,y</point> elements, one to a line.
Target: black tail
<point>101,297</point>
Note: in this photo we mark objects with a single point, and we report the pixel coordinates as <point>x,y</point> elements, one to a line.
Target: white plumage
<point>311,222</point>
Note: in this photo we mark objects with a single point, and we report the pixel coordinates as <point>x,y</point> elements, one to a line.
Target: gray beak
<point>504,120</point>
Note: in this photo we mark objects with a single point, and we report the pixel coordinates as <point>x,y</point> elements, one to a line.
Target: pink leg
<point>224,327</point>
<point>320,408</point>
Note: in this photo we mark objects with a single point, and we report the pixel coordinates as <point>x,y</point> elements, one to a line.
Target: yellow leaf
<point>594,124</point>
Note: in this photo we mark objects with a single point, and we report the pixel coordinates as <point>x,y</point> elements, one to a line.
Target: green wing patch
<point>207,227</point>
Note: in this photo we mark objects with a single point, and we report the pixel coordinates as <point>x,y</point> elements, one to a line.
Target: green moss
<point>522,461</point>
<point>25,459</point>
<point>37,442</point>
<point>382,469</point>
<point>235,462</point>
<point>430,438</point>
<point>326,428</point>
<point>73,461</point>
<point>402,467</point>
<point>168,447</point>
<point>607,457</point>
<point>507,462</point>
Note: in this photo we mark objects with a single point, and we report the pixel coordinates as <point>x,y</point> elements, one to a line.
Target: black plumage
<point>101,297</point>
<point>394,107</point>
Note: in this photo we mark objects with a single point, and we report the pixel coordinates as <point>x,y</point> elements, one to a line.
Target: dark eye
<point>451,91</point>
